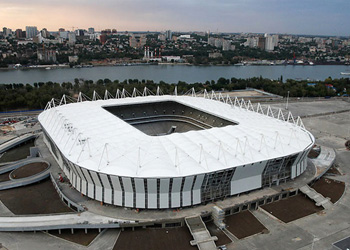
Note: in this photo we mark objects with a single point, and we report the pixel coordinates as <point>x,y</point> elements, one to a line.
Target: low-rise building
<point>46,55</point>
<point>215,55</point>
<point>73,59</point>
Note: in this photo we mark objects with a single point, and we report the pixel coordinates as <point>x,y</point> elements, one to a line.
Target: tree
<point>100,82</point>
<point>106,80</point>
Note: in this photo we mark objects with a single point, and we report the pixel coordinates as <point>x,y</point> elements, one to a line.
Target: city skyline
<point>264,16</point>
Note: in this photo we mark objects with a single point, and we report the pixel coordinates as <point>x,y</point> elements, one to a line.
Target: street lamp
<point>287,100</point>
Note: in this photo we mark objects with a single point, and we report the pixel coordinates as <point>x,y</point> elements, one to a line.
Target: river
<point>172,73</point>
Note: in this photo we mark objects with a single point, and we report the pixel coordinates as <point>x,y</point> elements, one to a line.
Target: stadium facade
<point>159,152</point>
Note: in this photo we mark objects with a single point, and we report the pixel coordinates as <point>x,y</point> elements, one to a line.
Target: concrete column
<point>85,230</point>
<point>59,231</point>
<point>72,230</point>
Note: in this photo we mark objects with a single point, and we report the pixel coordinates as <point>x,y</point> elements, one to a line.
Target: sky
<point>313,17</point>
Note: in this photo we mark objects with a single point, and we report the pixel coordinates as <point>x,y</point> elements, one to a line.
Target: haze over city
<point>312,17</point>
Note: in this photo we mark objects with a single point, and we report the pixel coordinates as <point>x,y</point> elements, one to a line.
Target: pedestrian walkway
<point>13,183</point>
<point>55,170</point>
<point>317,197</point>
<point>200,233</point>
<point>58,221</point>
<point>16,141</point>
<point>324,161</point>
<point>20,163</point>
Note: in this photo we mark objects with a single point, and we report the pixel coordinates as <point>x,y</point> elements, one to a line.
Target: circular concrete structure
<point>158,152</point>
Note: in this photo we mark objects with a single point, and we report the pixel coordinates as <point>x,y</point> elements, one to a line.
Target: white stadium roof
<point>95,139</point>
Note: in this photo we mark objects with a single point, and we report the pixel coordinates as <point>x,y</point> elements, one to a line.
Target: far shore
<point>60,66</point>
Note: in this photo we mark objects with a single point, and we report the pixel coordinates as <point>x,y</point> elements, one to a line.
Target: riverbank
<point>248,63</point>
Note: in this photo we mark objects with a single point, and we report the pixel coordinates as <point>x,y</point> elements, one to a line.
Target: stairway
<point>317,197</point>
<point>200,234</point>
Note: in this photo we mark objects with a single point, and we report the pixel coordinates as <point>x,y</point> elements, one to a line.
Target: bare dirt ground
<point>329,188</point>
<point>333,170</point>
<point>38,198</point>
<point>79,236</point>
<point>17,153</point>
<point>215,231</point>
<point>244,224</point>
<point>292,208</point>
<point>313,154</point>
<point>29,170</point>
<point>4,177</point>
<point>7,128</point>
<point>154,239</point>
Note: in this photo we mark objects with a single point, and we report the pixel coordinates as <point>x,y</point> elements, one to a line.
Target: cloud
<point>283,16</point>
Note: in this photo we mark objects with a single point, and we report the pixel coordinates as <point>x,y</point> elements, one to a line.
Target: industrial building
<point>162,151</point>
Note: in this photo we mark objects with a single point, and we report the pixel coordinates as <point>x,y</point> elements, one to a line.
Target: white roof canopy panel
<point>95,139</point>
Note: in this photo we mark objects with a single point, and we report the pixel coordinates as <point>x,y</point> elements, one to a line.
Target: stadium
<point>171,151</point>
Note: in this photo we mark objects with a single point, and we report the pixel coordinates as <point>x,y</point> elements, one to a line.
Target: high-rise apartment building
<point>19,33</point>
<point>271,42</point>
<point>64,34</point>
<point>269,45</point>
<point>218,43</point>
<point>103,38</point>
<point>137,41</point>
<point>161,37</point>
<point>168,34</point>
<point>72,38</point>
<point>6,32</point>
<point>226,45</point>
<point>252,42</point>
<point>31,31</point>
<point>211,41</point>
<point>262,43</point>
<point>80,32</point>
<point>45,33</point>
<point>275,39</point>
